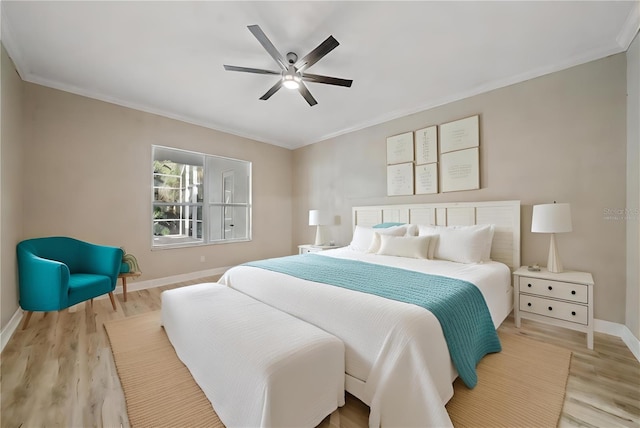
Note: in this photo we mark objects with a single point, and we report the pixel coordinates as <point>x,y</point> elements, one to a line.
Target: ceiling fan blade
<point>266,43</point>
<point>316,55</point>
<point>326,79</point>
<point>249,70</point>
<point>272,91</point>
<point>304,91</point>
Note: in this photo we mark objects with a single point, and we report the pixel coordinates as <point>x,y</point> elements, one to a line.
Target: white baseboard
<point>621,331</point>
<point>159,282</point>
<point>607,327</point>
<point>10,328</point>
<point>167,280</point>
<point>632,342</point>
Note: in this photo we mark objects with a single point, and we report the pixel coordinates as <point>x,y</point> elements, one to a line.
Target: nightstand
<point>308,248</point>
<point>562,299</point>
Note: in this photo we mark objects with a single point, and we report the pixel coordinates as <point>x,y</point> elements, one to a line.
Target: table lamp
<point>552,218</point>
<point>319,219</point>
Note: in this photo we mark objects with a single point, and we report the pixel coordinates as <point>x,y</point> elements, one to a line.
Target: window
<point>199,199</point>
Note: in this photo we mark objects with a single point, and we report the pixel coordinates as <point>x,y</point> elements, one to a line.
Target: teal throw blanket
<point>458,305</point>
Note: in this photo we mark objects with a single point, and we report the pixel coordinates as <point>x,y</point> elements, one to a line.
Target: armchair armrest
<point>44,284</point>
<point>103,260</point>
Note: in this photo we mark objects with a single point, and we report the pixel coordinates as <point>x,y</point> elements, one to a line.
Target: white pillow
<point>404,246</point>
<point>431,232</point>
<point>412,230</point>
<point>487,231</point>
<point>462,244</point>
<point>486,254</point>
<point>374,245</point>
<point>362,237</point>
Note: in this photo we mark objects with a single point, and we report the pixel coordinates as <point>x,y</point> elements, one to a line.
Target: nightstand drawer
<point>554,309</point>
<point>556,289</point>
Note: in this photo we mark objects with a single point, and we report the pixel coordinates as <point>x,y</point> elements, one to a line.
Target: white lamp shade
<point>318,218</point>
<point>551,218</point>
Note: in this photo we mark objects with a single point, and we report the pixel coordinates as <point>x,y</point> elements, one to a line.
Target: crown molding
<point>630,27</point>
<point>32,78</point>
<point>9,43</point>
<point>480,89</point>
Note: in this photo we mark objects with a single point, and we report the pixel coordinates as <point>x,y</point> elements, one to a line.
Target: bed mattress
<point>395,351</point>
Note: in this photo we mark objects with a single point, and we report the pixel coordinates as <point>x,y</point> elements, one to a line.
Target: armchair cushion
<point>85,286</point>
<point>57,272</point>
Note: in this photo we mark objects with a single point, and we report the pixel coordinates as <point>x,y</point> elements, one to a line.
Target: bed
<point>397,360</point>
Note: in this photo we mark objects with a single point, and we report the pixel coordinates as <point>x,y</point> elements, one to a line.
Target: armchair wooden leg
<point>26,320</point>
<point>113,301</point>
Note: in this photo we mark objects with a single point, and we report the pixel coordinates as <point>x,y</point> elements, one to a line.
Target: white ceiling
<point>404,57</point>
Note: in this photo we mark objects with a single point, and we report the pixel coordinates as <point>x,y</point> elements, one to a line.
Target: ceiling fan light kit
<point>291,79</point>
<point>292,70</point>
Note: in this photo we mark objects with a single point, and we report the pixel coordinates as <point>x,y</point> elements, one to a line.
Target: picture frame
<point>400,148</point>
<point>400,179</point>
<point>460,170</point>
<point>426,141</point>
<point>426,177</point>
<point>460,134</point>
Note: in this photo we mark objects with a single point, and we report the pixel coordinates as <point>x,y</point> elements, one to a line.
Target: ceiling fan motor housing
<point>292,58</point>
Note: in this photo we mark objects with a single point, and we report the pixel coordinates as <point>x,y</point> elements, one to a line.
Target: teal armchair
<point>57,272</point>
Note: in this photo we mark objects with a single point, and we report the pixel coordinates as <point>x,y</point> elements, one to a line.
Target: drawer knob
<point>573,292</point>
<point>550,288</point>
<point>573,313</point>
<point>529,285</point>
<point>550,308</point>
<point>528,304</point>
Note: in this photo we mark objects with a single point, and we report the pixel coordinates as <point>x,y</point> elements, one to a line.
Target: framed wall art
<point>426,179</point>
<point>460,134</point>
<point>400,148</point>
<point>400,179</point>
<point>426,145</point>
<point>460,170</point>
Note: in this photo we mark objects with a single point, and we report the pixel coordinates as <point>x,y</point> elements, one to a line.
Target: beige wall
<point>11,224</point>
<point>88,170</point>
<point>633,188</point>
<point>559,137</point>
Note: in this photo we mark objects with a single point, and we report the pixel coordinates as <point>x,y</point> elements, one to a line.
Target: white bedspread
<point>397,349</point>
<point>258,366</point>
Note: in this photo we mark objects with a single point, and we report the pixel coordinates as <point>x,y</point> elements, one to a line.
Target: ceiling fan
<point>292,73</point>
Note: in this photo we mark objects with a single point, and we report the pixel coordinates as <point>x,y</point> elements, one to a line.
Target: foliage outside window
<point>199,199</point>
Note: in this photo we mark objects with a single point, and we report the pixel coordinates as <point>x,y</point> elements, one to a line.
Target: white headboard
<point>505,215</point>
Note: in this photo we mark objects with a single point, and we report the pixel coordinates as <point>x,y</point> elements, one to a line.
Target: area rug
<point>158,388</point>
<point>524,385</point>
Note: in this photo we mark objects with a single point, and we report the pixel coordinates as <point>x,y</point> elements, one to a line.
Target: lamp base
<point>319,236</point>
<point>554,264</point>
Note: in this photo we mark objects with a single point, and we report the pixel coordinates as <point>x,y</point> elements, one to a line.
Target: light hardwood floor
<point>60,371</point>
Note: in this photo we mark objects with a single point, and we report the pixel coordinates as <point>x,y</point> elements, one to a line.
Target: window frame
<point>205,205</point>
